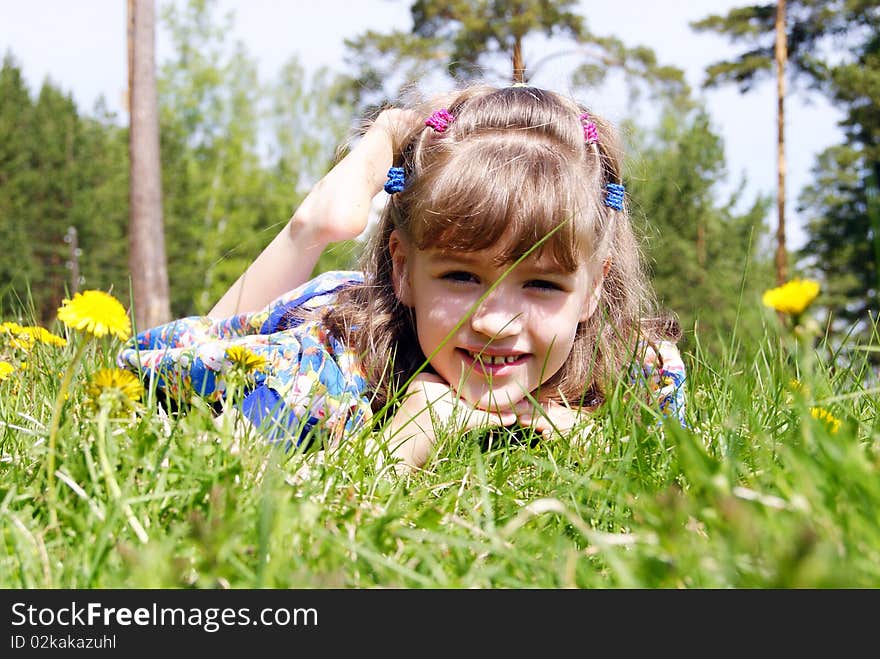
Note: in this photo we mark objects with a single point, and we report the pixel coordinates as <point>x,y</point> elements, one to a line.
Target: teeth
<point>493,359</point>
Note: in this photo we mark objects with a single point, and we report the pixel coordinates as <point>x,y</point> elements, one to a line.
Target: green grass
<point>755,493</point>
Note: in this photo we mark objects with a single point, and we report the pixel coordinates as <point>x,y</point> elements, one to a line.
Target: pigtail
<point>627,316</point>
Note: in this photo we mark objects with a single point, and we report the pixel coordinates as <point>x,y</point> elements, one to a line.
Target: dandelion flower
<point>6,369</point>
<point>96,312</point>
<point>826,417</point>
<point>19,337</point>
<point>10,327</point>
<point>43,335</point>
<point>116,382</point>
<point>245,359</point>
<point>793,297</point>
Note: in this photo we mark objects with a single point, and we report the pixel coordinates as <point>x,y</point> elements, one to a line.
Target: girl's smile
<point>494,335</point>
<point>491,363</point>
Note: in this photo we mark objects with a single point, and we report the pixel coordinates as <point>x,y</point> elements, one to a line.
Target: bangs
<point>507,192</point>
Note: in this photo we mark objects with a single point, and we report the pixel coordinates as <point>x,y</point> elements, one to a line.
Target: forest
<point>237,156</point>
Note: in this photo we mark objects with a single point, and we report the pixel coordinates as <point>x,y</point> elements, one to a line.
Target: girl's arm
<point>430,405</point>
<point>337,208</point>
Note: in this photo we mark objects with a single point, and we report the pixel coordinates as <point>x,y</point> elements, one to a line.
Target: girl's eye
<point>459,275</point>
<point>544,285</point>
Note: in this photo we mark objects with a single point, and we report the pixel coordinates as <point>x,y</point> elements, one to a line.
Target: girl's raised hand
<point>338,206</point>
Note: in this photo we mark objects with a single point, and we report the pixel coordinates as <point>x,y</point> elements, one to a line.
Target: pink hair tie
<point>439,120</point>
<point>591,134</point>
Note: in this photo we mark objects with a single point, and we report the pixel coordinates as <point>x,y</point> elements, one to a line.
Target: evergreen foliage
<point>842,204</point>
<point>224,194</point>
<point>58,170</point>
<point>813,27</point>
<point>833,49</point>
<point>466,40</point>
<point>690,237</point>
<point>225,199</point>
<point>19,267</point>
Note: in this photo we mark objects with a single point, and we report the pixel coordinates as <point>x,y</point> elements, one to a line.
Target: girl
<point>502,286</point>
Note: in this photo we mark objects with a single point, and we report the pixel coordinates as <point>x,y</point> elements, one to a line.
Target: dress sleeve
<point>188,356</point>
<point>663,371</point>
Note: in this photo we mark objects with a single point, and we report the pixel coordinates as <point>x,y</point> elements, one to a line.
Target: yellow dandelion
<point>793,297</point>
<point>6,369</point>
<point>96,312</point>
<point>245,359</point>
<point>826,417</point>
<point>43,335</point>
<point>23,342</point>
<point>19,337</point>
<point>117,382</point>
<point>10,327</point>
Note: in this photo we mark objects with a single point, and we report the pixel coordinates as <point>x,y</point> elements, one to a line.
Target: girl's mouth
<point>489,363</point>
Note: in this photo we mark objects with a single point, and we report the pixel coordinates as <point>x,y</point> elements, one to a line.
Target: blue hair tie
<point>395,182</point>
<point>614,198</point>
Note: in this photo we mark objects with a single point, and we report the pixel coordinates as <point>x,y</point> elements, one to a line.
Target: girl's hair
<point>512,167</point>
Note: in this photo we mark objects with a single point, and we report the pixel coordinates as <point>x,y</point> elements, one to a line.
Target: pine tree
<point>832,49</point>
<point>100,211</point>
<point>473,39</point>
<point>753,24</point>
<point>61,173</point>
<point>702,256</point>
<point>18,263</point>
<point>51,192</point>
<point>843,205</point>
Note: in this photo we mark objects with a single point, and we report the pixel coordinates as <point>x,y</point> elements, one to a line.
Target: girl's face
<point>517,338</point>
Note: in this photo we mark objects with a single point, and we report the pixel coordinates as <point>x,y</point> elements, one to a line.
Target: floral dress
<point>305,376</point>
<point>662,370</point>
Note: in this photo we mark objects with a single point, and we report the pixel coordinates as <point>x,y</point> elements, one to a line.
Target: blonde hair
<point>512,168</point>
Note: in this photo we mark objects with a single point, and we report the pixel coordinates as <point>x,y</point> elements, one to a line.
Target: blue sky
<point>81,46</point>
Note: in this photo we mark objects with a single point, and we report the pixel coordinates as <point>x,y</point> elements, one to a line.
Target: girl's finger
<point>525,405</point>
<point>474,418</point>
<point>526,418</point>
<point>534,417</point>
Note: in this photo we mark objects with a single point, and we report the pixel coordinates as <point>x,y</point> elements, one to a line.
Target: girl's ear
<point>595,293</point>
<point>398,248</point>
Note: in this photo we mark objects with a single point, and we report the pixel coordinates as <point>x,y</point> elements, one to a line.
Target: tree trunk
<point>781,57</point>
<point>701,252</point>
<point>146,234</point>
<point>71,239</point>
<point>519,67</point>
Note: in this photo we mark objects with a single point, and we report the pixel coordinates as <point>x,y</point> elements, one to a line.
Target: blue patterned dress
<point>308,377</point>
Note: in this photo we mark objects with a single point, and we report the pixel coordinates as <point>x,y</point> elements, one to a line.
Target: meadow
<point>772,483</point>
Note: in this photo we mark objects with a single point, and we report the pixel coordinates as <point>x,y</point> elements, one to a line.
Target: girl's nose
<point>496,319</point>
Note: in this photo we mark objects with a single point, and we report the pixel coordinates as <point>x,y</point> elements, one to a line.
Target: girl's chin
<point>494,401</point>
